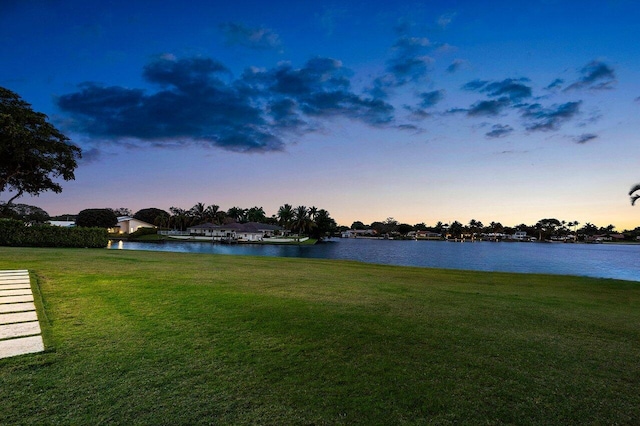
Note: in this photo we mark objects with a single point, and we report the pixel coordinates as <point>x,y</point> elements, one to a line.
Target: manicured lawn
<point>168,338</point>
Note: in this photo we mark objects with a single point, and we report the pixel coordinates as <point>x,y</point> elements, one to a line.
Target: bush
<point>15,233</point>
<point>143,231</point>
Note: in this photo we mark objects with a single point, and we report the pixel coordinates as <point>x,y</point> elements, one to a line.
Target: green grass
<point>168,338</point>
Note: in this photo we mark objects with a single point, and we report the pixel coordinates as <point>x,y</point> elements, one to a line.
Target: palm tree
<point>313,211</point>
<point>198,212</point>
<point>635,188</point>
<point>211,213</point>
<point>237,214</point>
<point>285,215</point>
<point>302,223</point>
<point>256,214</point>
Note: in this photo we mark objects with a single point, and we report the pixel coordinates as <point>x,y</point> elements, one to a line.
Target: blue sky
<point>421,111</point>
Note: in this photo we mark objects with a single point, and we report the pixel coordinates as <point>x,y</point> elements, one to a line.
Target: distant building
<point>63,223</point>
<point>355,233</point>
<point>252,231</point>
<point>128,225</point>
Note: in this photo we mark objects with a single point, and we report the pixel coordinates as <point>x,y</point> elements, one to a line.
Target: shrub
<point>16,234</point>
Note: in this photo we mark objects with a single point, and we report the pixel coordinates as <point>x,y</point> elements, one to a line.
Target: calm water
<point>594,260</point>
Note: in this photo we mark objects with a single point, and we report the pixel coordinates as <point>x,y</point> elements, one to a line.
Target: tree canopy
<point>33,153</point>
<point>99,218</point>
<point>23,212</point>
<point>152,215</point>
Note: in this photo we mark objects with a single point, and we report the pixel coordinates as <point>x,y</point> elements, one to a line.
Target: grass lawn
<point>170,338</point>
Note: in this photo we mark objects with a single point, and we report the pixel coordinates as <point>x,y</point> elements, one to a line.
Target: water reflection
<point>602,260</point>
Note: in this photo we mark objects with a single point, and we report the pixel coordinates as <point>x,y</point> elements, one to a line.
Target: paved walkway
<point>19,327</point>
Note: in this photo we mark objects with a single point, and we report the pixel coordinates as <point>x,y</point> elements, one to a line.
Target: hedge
<point>15,233</point>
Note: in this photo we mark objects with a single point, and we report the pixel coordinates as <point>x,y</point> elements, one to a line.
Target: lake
<point>620,261</point>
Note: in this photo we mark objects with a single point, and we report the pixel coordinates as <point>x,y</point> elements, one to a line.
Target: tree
<point>152,215</point>
<point>33,153</point>
<point>324,225</point>
<point>634,197</point>
<point>122,211</point>
<point>285,215</point>
<point>24,212</point>
<point>547,227</point>
<point>197,212</point>
<point>357,225</point>
<point>98,218</point>
<point>405,228</point>
<point>238,214</point>
<point>302,222</point>
<point>256,214</point>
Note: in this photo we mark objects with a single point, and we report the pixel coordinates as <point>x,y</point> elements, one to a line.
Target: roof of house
<point>128,218</point>
<point>239,227</point>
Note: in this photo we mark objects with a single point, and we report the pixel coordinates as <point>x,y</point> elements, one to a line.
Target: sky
<point>422,111</point>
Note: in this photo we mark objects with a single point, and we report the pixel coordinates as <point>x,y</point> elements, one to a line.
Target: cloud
<point>410,63</point>
<point>499,130</point>
<point>90,155</point>
<point>514,89</point>
<point>253,38</point>
<point>445,19</point>
<point>489,108</point>
<point>430,99</point>
<point>555,84</point>
<point>456,65</point>
<point>541,118</point>
<point>194,104</point>
<point>596,75</point>
<point>584,138</point>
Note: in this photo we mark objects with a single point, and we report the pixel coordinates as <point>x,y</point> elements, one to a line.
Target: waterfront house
<point>127,225</point>
<point>252,231</point>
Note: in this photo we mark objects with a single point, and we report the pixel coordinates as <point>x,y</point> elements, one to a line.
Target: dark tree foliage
<point>152,215</point>
<point>24,212</point>
<point>33,153</point>
<point>405,228</point>
<point>98,218</point>
<point>634,197</point>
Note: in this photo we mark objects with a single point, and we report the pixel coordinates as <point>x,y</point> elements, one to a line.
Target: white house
<point>127,225</point>
<point>252,231</point>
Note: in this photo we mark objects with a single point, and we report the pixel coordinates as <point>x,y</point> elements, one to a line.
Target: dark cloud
<point>541,118</point>
<point>475,85</point>
<point>456,65</point>
<point>584,138</point>
<point>555,84</point>
<point>430,99</point>
<point>491,107</point>
<point>514,89</point>
<point>186,74</point>
<point>499,130</point>
<point>409,64</point>
<point>596,75</point>
<point>252,38</point>
<point>409,127</point>
<point>195,105</point>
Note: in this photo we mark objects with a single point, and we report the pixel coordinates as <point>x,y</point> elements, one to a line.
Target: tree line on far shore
<point>543,229</point>
<point>303,220</point>
<point>310,221</point>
